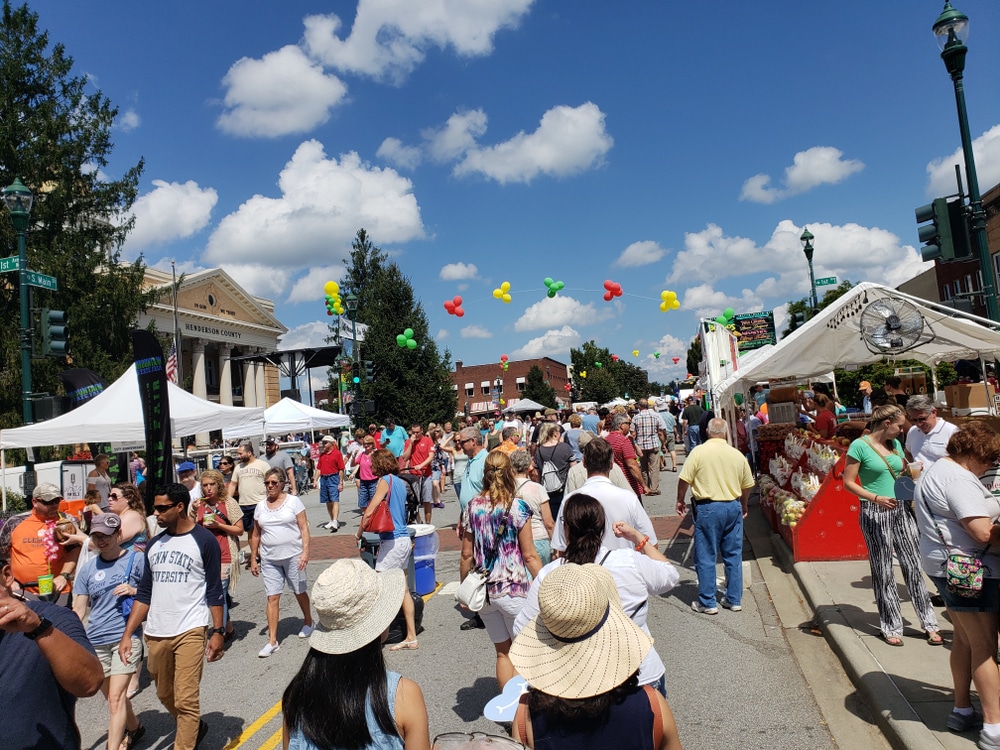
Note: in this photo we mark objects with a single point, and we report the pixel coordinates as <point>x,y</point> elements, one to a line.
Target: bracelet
<point>640,545</point>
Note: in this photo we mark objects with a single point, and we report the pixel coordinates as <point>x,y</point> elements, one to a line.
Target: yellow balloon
<point>635,352</point>
<point>664,306</point>
<point>676,305</point>
<point>330,288</point>
<point>506,298</point>
<point>498,293</point>
<point>505,286</point>
<point>583,373</point>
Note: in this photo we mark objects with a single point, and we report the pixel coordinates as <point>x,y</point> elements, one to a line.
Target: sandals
<point>405,646</point>
<point>893,640</point>
<point>133,736</point>
<point>934,638</point>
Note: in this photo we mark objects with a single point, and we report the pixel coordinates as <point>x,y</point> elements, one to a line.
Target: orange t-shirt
<point>27,553</point>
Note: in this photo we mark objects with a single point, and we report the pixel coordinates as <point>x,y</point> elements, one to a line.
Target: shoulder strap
<point>937,528</point>
<point>128,570</point>
<point>521,717</point>
<point>892,472</point>
<point>604,558</point>
<point>654,705</point>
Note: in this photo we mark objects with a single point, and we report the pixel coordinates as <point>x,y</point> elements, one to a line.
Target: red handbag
<point>380,522</point>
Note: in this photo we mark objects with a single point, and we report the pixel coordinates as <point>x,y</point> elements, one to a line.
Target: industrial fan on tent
<point>892,325</point>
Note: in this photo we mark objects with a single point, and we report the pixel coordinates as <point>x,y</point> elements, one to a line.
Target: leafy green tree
<point>412,385</point>
<point>537,389</point>
<point>598,386</point>
<point>694,356</point>
<point>802,305</point>
<point>57,140</point>
<point>625,377</point>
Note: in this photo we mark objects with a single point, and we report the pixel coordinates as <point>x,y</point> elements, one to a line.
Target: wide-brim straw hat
<point>581,644</point>
<point>355,605</point>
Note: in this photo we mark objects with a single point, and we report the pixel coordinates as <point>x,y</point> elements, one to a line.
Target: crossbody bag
<point>963,572</point>
<point>472,593</point>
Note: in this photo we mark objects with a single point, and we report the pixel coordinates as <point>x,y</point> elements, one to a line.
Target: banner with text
<point>755,329</point>
<point>152,375</point>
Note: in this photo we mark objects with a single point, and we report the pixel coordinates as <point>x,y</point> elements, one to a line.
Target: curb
<point>901,725</point>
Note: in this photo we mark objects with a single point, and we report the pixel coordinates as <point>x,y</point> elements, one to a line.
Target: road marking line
<point>437,587</point>
<point>271,742</point>
<point>251,730</point>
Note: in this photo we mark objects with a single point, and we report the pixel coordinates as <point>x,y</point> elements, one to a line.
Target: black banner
<point>152,376</point>
<point>755,329</point>
<point>81,385</point>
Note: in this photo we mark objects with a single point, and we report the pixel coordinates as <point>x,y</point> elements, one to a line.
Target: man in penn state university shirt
<point>179,596</point>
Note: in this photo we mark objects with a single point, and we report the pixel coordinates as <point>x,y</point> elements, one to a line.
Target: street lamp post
<point>352,312</point>
<point>807,248</point>
<point>19,199</point>
<point>951,29</point>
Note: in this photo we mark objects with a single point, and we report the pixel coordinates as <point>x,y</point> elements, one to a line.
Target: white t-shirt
<point>280,538</point>
<point>953,493</point>
<point>932,446</point>
<point>534,495</point>
<point>618,504</point>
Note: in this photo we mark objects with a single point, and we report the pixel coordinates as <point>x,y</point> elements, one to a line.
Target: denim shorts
<point>987,601</point>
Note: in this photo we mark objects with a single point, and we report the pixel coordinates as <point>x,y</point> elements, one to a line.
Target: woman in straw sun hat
<point>581,657</point>
<point>343,696</point>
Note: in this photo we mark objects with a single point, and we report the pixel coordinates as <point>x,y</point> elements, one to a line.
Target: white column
<point>249,382</point>
<point>226,375</point>
<point>261,386</point>
<point>198,385</point>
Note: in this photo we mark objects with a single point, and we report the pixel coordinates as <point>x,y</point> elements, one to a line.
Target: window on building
<point>979,280</point>
<point>968,283</point>
<point>470,389</point>
<point>945,293</point>
<point>485,387</point>
<point>521,385</point>
<point>957,286</point>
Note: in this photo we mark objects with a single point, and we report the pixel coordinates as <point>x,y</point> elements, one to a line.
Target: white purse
<point>472,593</point>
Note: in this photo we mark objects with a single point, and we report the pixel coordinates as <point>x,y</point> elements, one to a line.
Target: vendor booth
<point>288,416</point>
<point>803,494</point>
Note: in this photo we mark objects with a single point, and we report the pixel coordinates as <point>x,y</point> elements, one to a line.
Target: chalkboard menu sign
<point>755,329</point>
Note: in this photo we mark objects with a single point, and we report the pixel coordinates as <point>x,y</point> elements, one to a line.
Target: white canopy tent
<point>288,415</point>
<point>833,339</point>
<point>116,416</point>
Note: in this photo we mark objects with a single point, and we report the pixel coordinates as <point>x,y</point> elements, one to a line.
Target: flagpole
<point>177,330</point>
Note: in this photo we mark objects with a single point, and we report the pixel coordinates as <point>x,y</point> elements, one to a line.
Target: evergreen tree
<point>694,356</point>
<point>536,389</point>
<point>57,140</point>
<point>411,385</point>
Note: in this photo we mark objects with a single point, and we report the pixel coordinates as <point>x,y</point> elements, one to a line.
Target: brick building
<point>479,388</point>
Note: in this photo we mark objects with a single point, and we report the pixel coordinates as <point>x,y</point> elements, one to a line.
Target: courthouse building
<point>219,322</point>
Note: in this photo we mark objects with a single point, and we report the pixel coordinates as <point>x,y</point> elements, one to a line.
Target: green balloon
<point>411,343</point>
<point>401,340</point>
<point>598,364</point>
<point>729,312</point>
<point>738,398</point>
<point>408,333</point>
<point>548,281</point>
<point>721,320</point>
<point>552,293</point>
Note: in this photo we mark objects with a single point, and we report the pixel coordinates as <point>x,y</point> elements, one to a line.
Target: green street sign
<point>10,264</point>
<point>827,281</point>
<point>42,281</point>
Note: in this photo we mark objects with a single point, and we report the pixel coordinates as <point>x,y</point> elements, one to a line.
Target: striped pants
<point>886,530</point>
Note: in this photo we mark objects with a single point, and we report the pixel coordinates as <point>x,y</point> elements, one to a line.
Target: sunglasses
<point>273,484</point>
<point>114,496</point>
<point>49,502</point>
<point>225,463</point>
<point>920,420</point>
<point>163,508</point>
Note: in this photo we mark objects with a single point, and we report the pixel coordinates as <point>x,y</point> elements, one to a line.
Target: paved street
<point>737,678</point>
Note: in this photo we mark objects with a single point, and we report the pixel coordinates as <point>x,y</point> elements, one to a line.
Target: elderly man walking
<point>649,433</point>
<point>720,481</point>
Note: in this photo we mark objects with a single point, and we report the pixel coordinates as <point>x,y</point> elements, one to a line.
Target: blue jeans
<point>366,491</point>
<point>718,528</point>
<point>329,489</point>
<point>693,438</point>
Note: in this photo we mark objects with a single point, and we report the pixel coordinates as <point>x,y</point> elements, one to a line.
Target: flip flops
<point>893,640</point>
<point>934,639</point>
<point>405,646</point>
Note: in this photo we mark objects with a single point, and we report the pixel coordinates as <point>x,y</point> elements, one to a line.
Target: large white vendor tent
<point>286,416</point>
<point>832,339</point>
<point>116,416</point>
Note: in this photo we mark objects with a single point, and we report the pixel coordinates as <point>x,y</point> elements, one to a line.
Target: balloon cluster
<point>583,373</point>
<point>567,387</point>
<point>454,307</point>
<point>656,355</point>
<point>615,357</point>
<point>598,364</point>
<point>503,292</point>
<point>334,304</point>
<point>504,364</point>
<point>669,301</point>
<point>405,340</point>
<point>552,286</point>
<point>676,359</point>
<point>635,352</point>
<point>611,290</point>
<point>726,318</point>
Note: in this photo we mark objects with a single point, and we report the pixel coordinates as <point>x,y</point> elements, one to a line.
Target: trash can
<point>369,552</point>
<point>425,549</point>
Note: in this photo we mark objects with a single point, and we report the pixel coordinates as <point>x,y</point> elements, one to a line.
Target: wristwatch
<point>43,627</point>
<point>216,631</point>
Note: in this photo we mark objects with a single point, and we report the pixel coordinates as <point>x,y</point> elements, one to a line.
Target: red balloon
<point>503,357</point>
<point>613,290</point>
<point>608,296</point>
<point>459,312</point>
<point>457,301</point>
<point>676,360</point>
<point>567,387</point>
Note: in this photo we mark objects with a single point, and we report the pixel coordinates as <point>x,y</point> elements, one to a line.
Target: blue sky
<point>663,146</point>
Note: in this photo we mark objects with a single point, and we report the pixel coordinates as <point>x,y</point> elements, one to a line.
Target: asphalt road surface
<point>735,679</point>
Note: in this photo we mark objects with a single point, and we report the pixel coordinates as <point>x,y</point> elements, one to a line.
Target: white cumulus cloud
<point>284,92</point>
<point>568,141</point>
<point>312,334</point>
<point>442,334</point>
<point>475,332</point>
<point>458,271</point>
<point>457,137</point>
<point>393,151</point>
<point>985,149</point>
<point>323,202</point>
<point>258,279</point>
<point>309,287</point>
<point>128,120</point>
<point>555,311</point>
<point>390,38</point>
<point>170,211</point>
<point>555,343</point>
<point>819,165</point>
<point>640,254</point>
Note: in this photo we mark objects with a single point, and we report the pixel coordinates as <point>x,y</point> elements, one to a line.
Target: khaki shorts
<point>669,443</point>
<point>112,662</point>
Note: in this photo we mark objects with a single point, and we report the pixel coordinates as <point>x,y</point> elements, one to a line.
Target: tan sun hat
<point>581,644</point>
<point>355,605</point>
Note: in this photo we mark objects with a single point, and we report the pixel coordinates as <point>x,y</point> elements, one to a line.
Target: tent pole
<point>3,472</point>
<point>986,386</point>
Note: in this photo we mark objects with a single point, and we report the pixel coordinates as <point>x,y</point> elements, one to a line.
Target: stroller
<point>412,499</point>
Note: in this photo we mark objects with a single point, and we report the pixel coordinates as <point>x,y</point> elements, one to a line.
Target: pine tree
<point>536,389</point>
<point>411,385</point>
<point>56,139</point>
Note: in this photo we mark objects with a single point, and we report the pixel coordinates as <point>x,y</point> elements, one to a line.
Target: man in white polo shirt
<point>927,440</point>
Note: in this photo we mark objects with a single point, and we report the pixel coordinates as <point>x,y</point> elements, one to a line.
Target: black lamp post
<point>807,248</point>
<point>952,29</point>
<point>352,313</point>
<point>19,199</point>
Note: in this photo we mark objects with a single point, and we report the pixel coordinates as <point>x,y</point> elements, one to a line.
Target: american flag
<point>172,364</point>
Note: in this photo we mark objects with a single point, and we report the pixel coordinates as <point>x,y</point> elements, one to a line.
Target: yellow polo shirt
<point>717,471</point>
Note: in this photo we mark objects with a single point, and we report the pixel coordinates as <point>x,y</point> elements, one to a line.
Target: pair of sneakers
<point>270,648</point>
<point>701,609</point>
<point>332,525</point>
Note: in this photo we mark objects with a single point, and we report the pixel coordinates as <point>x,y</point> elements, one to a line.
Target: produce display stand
<point>817,528</point>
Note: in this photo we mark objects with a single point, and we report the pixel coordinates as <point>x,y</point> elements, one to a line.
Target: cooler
<point>425,549</point>
<point>369,552</point>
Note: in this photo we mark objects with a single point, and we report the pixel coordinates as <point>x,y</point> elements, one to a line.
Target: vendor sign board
<point>755,329</point>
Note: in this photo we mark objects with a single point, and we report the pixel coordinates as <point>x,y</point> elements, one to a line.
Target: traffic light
<point>55,333</point>
<point>947,235</point>
<point>369,371</point>
<point>355,372</point>
<point>798,319</point>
